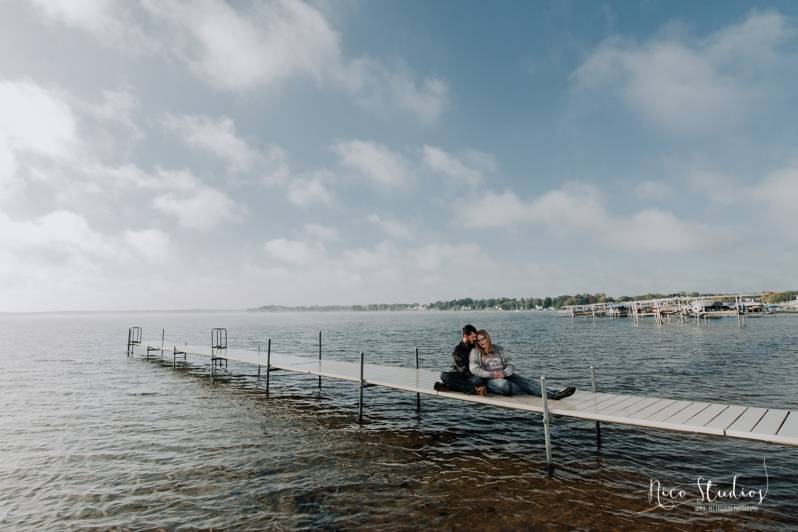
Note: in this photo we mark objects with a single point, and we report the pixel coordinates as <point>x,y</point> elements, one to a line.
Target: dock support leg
<point>319,360</point>
<point>418,395</point>
<point>362,382</point>
<point>546,422</point>
<point>258,363</point>
<point>174,357</point>
<point>268,364</point>
<point>213,363</point>
<point>598,425</point>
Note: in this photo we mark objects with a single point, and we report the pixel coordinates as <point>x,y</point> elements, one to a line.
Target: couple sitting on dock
<point>479,366</point>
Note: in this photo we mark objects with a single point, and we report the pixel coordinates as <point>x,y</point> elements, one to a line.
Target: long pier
<point>773,425</point>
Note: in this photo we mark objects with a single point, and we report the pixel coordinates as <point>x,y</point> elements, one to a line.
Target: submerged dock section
<point>772,425</point>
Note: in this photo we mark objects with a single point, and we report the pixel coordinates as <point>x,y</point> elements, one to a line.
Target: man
<point>460,378</point>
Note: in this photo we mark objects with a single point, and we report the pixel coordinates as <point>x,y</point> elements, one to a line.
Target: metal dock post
<point>546,422</point>
<point>598,424</point>
<point>418,395</point>
<point>268,364</point>
<point>319,359</point>
<point>362,359</point>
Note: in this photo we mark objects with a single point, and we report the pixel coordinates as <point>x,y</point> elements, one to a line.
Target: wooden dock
<point>772,425</point>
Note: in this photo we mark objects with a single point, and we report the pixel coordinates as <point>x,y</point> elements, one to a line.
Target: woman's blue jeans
<point>516,385</point>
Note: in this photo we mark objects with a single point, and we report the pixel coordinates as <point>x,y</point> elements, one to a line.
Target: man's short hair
<point>469,329</point>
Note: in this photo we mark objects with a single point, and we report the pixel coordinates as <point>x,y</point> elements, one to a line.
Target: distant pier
<point>682,309</point>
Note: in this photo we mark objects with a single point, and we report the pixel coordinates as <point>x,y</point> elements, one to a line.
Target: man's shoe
<point>481,389</point>
<point>562,394</point>
<point>441,387</point>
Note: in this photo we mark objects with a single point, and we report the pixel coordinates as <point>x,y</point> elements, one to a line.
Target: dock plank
<point>665,413</point>
<point>707,415</point>
<point>680,417</point>
<point>595,398</point>
<point>771,422</point>
<point>788,433</point>
<point>746,422</point>
<point>603,403</point>
<point>638,407</point>
<point>652,409</point>
<point>727,417</point>
<point>623,405</point>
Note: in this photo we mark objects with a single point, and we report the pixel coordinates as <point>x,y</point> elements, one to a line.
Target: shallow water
<point>92,438</point>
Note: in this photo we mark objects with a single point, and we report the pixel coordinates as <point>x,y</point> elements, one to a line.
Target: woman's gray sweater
<point>485,366</point>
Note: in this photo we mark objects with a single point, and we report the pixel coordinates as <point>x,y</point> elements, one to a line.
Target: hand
<point>498,374</point>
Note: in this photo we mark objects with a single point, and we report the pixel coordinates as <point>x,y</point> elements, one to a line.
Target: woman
<point>489,362</point>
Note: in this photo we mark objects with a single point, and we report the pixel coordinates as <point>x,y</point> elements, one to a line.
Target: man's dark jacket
<point>460,359</point>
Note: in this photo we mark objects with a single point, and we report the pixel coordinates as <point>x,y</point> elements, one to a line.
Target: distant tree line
<point>779,297</point>
<point>331,308</point>
<point>505,303</point>
<point>529,303</point>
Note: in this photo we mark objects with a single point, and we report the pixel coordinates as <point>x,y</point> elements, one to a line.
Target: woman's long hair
<point>488,343</point>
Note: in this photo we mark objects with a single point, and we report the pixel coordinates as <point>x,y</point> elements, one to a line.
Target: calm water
<point>91,438</point>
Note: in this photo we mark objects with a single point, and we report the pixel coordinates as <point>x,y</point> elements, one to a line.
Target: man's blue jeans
<point>457,381</point>
<point>516,385</point>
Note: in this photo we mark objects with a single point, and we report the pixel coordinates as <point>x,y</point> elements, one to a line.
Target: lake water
<point>92,438</point>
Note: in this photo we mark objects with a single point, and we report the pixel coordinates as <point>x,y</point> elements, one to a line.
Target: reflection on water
<point>92,438</point>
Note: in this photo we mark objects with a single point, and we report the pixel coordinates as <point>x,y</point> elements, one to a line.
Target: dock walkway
<point>772,425</point>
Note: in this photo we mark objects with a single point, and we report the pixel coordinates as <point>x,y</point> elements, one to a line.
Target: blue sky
<point>231,154</point>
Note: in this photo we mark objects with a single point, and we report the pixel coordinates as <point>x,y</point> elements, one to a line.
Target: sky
<point>211,154</point>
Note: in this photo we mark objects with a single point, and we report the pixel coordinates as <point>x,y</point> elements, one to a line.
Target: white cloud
<point>321,232</point>
<point>153,244</point>
<point>775,193</point>
<point>661,231</point>
<point>36,121</point>
<point>243,51</point>
<point>719,188</point>
<point>692,85</point>
<point>195,204</point>
<point>261,45</point>
<point>380,88</point>
<point>779,193</point>
<point>53,261</point>
<point>57,234</point>
<point>653,190</point>
<point>496,210</point>
<point>374,161</point>
<point>294,252</point>
<point>383,261</point>
<point>579,209</point>
<point>433,256</point>
<point>8,169</point>
<point>572,207</point>
<point>307,191</point>
<point>107,20</point>
<point>392,228</point>
<point>470,172</point>
<point>219,137</point>
<point>119,107</point>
